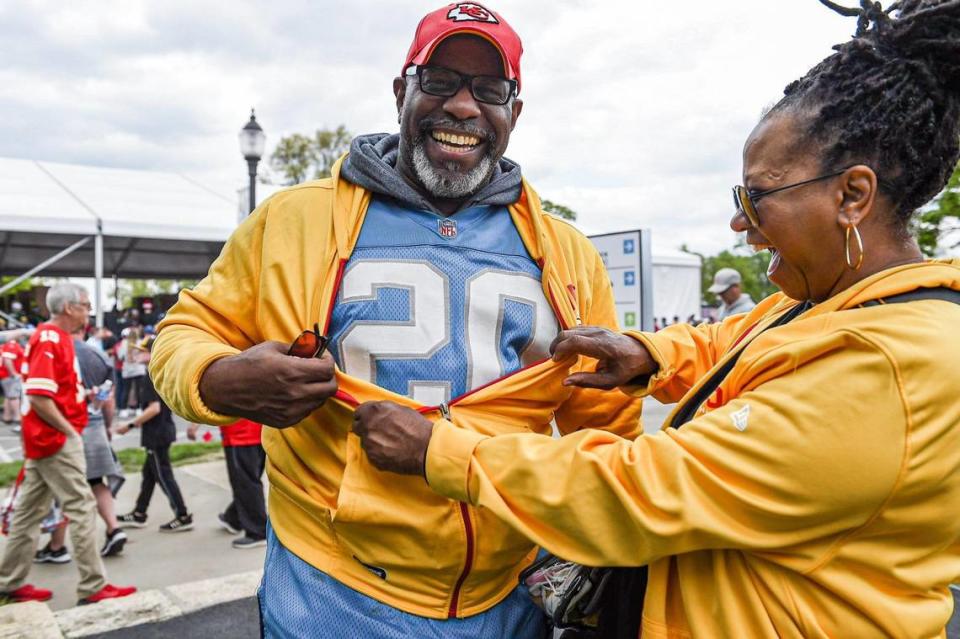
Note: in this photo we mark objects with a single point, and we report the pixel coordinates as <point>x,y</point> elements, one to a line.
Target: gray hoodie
<point>372,165</point>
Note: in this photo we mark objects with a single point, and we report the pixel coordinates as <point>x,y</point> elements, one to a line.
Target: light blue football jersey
<point>432,307</point>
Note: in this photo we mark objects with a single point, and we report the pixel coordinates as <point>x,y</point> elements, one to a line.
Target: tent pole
<point>44,264</point>
<point>98,272</point>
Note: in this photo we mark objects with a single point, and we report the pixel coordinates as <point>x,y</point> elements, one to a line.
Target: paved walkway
<point>152,559</point>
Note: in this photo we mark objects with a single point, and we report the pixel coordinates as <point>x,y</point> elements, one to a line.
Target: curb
<point>34,620</point>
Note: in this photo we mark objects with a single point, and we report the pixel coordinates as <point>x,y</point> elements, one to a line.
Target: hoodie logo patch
<point>447,228</point>
<point>465,11</point>
<point>740,417</point>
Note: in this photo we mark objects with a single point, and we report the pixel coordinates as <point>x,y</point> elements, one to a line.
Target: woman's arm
<point>815,449</point>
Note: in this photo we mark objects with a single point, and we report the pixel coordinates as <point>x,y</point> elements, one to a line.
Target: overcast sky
<point>635,112</point>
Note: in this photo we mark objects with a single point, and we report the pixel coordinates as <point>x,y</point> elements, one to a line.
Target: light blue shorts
<point>297,601</point>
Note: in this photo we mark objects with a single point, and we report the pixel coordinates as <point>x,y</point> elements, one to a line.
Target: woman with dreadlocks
<point>808,483</point>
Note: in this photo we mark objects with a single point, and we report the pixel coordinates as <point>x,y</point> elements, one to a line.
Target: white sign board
<point>627,258</point>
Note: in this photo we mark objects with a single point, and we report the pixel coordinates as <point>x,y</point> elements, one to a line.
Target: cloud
<point>635,113</point>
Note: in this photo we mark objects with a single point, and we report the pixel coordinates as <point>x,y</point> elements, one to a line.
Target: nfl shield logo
<point>447,228</point>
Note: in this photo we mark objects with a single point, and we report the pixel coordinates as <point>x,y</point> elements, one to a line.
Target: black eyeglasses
<point>746,202</point>
<point>309,344</point>
<point>446,83</point>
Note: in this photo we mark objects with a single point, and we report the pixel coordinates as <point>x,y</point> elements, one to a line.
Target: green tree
<point>25,285</point>
<point>559,210</point>
<point>293,157</point>
<point>751,266</point>
<point>329,146</point>
<point>936,223</point>
<point>299,157</point>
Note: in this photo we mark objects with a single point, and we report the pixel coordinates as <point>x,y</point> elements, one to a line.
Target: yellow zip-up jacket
<point>815,495</point>
<point>425,554</point>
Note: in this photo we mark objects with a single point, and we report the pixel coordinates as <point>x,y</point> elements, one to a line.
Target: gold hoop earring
<point>846,248</point>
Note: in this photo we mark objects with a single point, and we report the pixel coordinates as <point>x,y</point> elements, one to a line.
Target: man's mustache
<point>428,124</point>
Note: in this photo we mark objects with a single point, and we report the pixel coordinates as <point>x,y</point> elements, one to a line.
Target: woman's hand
<point>620,358</point>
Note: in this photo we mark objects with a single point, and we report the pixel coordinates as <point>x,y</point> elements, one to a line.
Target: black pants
<point>132,386</point>
<point>157,470</point>
<point>247,511</point>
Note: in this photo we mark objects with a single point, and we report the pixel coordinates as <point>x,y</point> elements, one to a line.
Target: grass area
<point>132,458</point>
<point>8,472</point>
<point>180,455</point>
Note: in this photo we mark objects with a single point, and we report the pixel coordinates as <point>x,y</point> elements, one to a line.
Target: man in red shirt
<point>247,512</point>
<point>53,450</point>
<point>11,361</point>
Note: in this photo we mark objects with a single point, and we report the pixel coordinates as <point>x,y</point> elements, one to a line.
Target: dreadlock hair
<point>889,98</point>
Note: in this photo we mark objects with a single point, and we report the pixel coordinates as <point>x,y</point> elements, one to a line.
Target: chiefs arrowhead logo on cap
<point>465,11</point>
<point>468,18</point>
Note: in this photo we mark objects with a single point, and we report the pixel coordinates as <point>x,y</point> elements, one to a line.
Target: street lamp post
<point>252,142</point>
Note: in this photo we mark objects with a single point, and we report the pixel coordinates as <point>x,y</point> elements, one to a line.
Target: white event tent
<point>676,284</point>
<point>70,220</point>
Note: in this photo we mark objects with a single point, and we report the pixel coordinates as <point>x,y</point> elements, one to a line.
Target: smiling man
<point>440,282</point>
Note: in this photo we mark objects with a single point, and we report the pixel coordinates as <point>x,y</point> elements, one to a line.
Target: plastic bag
<point>568,593</point>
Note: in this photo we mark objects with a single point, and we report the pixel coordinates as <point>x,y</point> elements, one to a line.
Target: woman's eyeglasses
<point>309,344</point>
<point>746,202</point>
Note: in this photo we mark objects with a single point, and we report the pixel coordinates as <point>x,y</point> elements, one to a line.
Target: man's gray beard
<point>453,185</point>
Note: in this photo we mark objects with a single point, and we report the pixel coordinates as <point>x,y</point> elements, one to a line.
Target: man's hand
<point>394,437</point>
<point>122,428</point>
<point>47,410</point>
<point>620,358</point>
<point>266,385</point>
<point>192,432</point>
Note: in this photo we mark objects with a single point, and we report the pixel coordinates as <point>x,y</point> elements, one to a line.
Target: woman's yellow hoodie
<point>389,537</point>
<point>816,494</point>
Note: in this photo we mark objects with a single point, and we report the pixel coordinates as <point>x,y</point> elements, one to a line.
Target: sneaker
<point>114,544</point>
<point>27,592</point>
<point>248,542</point>
<point>178,524</point>
<point>47,555</point>
<point>132,520</point>
<point>226,525</point>
<point>107,592</point>
<point>17,429</point>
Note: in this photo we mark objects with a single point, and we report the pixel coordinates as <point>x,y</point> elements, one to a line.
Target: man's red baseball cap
<point>472,18</point>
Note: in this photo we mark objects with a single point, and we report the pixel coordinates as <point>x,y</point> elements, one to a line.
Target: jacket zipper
<point>467,564</point>
<point>337,280</point>
<point>444,409</point>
